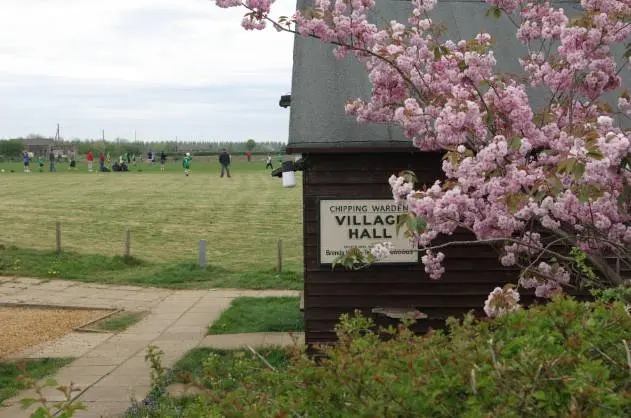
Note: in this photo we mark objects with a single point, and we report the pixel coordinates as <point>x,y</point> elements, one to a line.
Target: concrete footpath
<point>110,368</point>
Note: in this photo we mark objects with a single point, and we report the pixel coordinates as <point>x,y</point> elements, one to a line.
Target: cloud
<point>163,67</point>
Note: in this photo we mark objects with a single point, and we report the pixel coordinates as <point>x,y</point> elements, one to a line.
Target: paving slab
<point>14,410</point>
<point>115,393</point>
<point>27,280</point>
<point>74,344</point>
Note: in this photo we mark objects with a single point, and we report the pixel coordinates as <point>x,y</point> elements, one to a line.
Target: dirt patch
<point>21,328</point>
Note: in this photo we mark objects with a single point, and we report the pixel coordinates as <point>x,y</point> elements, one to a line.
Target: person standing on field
<point>101,161</point>
<point>225,160</point>
<point>163,160</point>
<point>73,161</point>
<point>90,158</point>
<point>186,163</point>
<point>268,162</point>
<point>27,162</point>
<point>51,160</point>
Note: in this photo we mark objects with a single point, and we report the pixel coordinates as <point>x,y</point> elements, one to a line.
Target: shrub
<point>565,358</point>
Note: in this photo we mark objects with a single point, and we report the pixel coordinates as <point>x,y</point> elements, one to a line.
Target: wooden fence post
<point>127,250</point>
<point>202,253</point>
<point>58,236</point>
<point>279,257</point>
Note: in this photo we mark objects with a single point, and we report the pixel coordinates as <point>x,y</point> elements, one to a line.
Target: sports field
<point>241,218</point>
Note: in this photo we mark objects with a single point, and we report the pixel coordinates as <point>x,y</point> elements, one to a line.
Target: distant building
<point>38,146</point>
<point>43,146</point>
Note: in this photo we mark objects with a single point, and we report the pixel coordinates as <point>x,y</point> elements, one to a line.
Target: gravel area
<point>21,328</point>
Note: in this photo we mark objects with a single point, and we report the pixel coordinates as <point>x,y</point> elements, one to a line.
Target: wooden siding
<point>472,272</point>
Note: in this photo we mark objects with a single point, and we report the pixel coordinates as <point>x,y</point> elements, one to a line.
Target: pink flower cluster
<point>501,301</point>
<point>433,264</point>
<point>401,188</point>
<point>546,279</point>
<point>381,251</point>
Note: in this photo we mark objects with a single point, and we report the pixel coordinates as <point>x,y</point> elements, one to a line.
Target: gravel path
<point>21,328</point>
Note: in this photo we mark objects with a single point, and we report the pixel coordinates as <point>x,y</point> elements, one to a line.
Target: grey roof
<point>322,84</point>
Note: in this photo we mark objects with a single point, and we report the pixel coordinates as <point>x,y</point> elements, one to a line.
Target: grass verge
<point>10,385</point>
<point>271,314</point>
<point>119,322</point>
<point>190,367</point>
<point>95,268</point>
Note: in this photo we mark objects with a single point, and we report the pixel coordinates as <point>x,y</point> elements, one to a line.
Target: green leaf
<point>578,170</point>
<point>514,144</point>
<point>409,176</point>
<point>497,12</point>
<point>595,154</point>
<point>566,166</point>
<point>540,395</point>
<point>555,184</point>
<point>625,196</point>
<point>437,53</point>
<point>40,413</point>
<point>402,220</point>
<point>515,201</point>
<point>27,402</point>
<point>583,195</point>
<point>490,118</point>
<point>590,191</point>
<point>416,224</point>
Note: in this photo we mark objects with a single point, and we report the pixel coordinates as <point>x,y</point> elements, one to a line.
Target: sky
<point>161,68</point>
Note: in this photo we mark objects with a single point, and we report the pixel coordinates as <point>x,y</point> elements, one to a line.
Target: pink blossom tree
<point>551,185</point>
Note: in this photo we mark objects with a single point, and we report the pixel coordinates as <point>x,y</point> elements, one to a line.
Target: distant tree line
<point>13,148</point>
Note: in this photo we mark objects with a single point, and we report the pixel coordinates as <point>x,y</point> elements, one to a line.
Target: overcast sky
<point>164,68</point>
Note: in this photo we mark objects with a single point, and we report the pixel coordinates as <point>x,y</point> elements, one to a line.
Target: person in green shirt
<point>186,163</point>
<point>40,161</point>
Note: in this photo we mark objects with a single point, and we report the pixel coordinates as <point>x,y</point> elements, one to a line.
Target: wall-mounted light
<point>289,175</point>
<point>285,101</point>
<point>288,171</point>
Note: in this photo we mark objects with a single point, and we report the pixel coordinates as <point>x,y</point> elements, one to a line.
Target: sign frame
<point>319,222</point>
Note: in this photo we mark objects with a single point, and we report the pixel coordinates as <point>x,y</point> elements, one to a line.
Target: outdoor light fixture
<point>285,101</point>
<point>289,175</point>
<point>288,171</point>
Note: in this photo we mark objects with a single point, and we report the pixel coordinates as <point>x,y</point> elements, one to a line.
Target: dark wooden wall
<point>471,273</point>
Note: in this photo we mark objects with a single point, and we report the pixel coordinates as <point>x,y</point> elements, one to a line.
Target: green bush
<point>565,358</point>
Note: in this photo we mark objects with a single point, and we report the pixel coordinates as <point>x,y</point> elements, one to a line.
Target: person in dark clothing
<point>225,160</point>
<point>51,158</point>
<point>163,160</point>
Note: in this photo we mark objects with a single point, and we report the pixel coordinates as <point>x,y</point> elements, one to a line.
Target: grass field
<point>10,385</point>
<point>241,217</point>
<point>271,314</point>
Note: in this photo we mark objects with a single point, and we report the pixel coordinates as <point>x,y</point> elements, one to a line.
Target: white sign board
<point>345,224</point>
